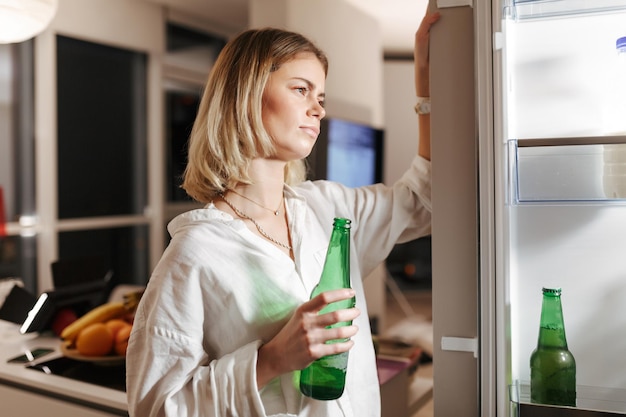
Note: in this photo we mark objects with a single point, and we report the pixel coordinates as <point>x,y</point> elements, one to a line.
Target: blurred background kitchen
<point>96,108</point>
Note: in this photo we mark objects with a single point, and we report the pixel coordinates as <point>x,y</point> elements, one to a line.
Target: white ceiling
<point>398,19</point>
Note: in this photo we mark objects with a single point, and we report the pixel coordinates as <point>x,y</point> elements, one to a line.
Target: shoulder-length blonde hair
<point>228,132</point>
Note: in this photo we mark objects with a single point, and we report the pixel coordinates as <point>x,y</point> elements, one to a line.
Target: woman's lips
<point>311,131</point>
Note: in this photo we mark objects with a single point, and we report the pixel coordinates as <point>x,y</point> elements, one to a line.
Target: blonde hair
<point>228,132</point>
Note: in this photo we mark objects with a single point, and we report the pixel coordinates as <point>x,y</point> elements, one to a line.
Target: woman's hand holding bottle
<point>303,339</point>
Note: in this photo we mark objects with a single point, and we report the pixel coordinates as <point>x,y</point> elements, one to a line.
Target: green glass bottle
<point>325,378</point>
<point>552,365</point>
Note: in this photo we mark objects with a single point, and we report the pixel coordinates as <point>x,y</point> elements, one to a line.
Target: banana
<point>131,300</point>
<point>99,314</point>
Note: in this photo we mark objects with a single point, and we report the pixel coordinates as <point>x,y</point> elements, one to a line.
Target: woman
<point>226,323</point>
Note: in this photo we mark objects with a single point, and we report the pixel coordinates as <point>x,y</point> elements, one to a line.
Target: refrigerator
<point>528,191</point>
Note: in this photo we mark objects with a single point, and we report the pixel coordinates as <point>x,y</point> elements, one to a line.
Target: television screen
<point>347,152</point>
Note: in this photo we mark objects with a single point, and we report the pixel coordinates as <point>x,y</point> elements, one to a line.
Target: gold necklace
<point>276,212</point>
<point>257,225</point>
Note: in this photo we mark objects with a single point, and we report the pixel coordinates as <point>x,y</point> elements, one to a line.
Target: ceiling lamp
<point>23,19</point>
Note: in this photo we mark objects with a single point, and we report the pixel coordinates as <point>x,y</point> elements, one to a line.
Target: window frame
<point>113,25</point>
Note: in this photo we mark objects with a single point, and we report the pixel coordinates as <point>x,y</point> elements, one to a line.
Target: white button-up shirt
<point>220,291</point>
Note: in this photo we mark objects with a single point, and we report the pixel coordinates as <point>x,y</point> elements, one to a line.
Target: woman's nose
<point>318,110</point>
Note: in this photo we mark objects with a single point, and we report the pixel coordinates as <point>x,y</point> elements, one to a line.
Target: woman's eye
<point>302,90</point>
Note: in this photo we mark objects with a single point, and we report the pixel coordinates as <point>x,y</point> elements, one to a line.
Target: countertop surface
<point>13,344</point>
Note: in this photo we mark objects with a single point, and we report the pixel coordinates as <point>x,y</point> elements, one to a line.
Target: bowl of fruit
<point>101,335</point>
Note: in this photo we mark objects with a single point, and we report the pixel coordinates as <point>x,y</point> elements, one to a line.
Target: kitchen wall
<point>401,122</point>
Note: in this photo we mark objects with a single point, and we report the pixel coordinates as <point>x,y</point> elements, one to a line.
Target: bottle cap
<point>551,291</point>
<point>621,42</point>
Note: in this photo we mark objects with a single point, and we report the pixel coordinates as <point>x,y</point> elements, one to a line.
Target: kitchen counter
<point>29,392</point>
<point>26,392</point>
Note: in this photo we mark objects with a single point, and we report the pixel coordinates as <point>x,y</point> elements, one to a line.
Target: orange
<point>115,325</point>
<point>95,340</point>
<point>121,340</point>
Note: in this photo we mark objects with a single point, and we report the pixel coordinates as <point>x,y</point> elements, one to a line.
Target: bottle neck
<point>552,327</point>
<point>339,254</point>
<point>336,271</point>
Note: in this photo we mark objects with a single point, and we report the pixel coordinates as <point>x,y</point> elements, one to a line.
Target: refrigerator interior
<point>565,212</point>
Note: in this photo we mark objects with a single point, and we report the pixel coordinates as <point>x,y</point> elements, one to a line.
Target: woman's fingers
<point>328,319</point>
<point>324,349</point>
<point>422,37</point>
<point>311,310</point>
<point>322,300</point>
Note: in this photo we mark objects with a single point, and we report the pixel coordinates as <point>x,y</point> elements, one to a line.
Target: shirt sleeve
<point>168,370</point>
<point>381,215</point>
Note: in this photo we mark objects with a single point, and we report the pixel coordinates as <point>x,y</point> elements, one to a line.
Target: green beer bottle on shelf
<point>325,378</point>
<point>552,365</point>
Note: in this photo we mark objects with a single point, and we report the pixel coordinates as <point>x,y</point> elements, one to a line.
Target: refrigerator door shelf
<point>579,172</point>
<point>537,9</point>
<point>591,402</point>
<point>538,410</point>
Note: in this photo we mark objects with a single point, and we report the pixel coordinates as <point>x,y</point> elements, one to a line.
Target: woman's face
<point>293,102</point>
